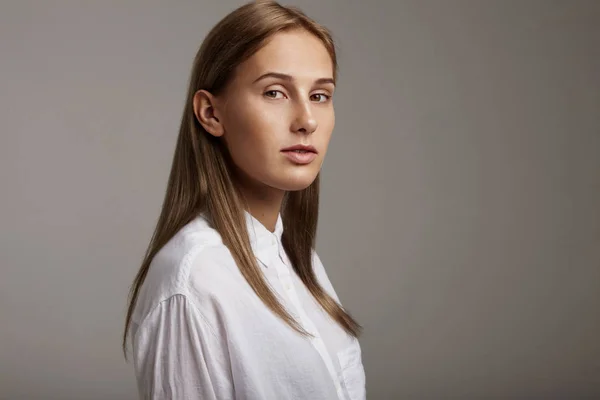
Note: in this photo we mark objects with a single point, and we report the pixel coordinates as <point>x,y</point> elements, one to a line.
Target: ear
<point>204,104</point>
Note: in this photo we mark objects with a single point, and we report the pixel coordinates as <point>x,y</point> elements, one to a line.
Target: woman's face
<point>278,98</point>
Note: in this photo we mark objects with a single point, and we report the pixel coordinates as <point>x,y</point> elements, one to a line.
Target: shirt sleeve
<point>177,355</point>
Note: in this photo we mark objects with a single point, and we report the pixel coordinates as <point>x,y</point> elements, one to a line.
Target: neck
<point>262,202</point>
<point>266,214</point>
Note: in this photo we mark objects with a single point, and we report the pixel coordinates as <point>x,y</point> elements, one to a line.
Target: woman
<point>231,301</point>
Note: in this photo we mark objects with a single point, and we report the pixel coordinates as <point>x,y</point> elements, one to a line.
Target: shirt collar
<point>264,242</point>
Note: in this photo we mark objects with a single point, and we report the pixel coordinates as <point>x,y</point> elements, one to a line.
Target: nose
<point>305,121</point>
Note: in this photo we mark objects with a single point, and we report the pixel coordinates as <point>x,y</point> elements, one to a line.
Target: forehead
<point>297,53</point>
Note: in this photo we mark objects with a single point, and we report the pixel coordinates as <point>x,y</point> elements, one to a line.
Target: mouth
<point>300,154</point>
<point>301,148</point>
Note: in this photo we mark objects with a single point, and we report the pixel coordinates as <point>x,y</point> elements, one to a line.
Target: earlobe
<point>204,110</point>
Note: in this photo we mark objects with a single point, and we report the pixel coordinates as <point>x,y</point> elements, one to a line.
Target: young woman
<point>231,301</point>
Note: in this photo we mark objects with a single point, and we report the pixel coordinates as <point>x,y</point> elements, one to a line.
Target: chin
<point>292,184</point>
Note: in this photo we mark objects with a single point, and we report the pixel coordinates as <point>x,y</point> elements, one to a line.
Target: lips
<point>301,148</point>
<point>300,154</point>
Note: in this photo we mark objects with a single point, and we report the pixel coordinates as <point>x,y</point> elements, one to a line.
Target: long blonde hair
<point>201,179</point>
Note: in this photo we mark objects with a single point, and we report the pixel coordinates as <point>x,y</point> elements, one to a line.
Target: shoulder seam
<point>182,287</point>
<point>189,301</point>
<point>186,262</point>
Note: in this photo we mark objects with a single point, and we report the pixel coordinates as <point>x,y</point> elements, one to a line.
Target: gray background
<point>460,210</point>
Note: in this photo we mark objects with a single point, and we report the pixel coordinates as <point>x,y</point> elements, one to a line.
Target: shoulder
<point>185,266</point>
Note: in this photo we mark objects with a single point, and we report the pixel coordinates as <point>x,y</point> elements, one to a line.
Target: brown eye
<point>321,97</point>
<point>272,93</point>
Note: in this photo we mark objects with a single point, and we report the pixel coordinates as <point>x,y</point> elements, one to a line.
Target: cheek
<point>251,133</point>
<point>327,125</point>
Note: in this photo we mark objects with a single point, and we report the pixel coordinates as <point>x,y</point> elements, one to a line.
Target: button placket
<point>285,278</point>
<point>280,249</point>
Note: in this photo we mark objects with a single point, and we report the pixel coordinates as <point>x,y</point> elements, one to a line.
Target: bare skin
<point>258,117</point>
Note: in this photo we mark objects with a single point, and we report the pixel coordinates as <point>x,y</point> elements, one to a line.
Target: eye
<point>273,94</point>
<point>323,97</point>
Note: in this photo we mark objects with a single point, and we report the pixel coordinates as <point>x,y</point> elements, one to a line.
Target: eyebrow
<point>290,78</point>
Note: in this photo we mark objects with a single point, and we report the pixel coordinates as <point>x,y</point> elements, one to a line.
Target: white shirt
<point>200,332</point>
